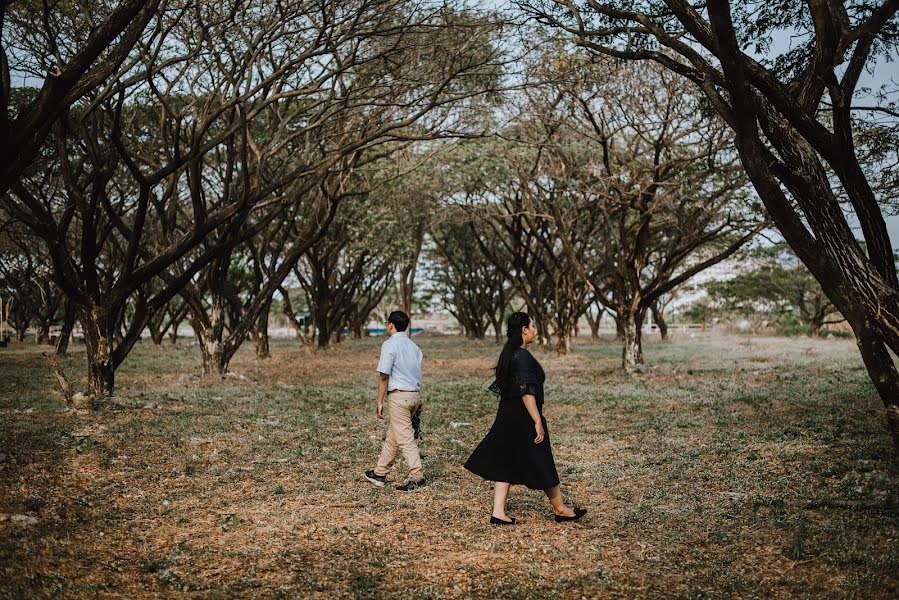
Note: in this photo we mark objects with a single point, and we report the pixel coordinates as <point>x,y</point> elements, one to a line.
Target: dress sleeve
<point>525,376</point>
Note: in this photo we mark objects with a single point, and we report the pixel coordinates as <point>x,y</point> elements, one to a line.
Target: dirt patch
<point>702,479</point>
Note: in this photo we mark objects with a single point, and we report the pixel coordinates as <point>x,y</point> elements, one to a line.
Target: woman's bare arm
<point>530,402</point>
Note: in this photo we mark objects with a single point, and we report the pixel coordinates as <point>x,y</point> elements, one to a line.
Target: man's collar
<point>402,333</point>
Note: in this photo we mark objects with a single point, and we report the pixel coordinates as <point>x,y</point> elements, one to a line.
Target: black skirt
<point>508,452</point>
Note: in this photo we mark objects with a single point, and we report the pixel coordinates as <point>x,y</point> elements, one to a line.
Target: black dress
<point>508,452</point>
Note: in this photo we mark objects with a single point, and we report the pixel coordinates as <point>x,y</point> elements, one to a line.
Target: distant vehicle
<point>303,317</point>
<point>383,330</point>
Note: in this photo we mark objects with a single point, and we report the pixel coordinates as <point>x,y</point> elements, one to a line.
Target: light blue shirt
<point>401,361</point>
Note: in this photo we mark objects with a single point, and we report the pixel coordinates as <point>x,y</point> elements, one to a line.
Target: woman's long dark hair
<point>514,324</point>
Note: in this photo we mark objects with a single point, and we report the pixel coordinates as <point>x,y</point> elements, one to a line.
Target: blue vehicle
<point>383,330</point>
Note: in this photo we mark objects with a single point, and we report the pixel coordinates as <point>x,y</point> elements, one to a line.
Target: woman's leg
<point>555,498</point>
<point>500,494</point>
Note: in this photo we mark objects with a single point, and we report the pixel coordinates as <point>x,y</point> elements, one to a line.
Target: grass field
<point>736,467</point>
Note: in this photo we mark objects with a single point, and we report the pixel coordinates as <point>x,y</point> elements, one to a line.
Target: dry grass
<point>737,466</point>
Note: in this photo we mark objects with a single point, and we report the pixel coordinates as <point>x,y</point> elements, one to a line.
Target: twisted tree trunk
<point>260,333</point>
<point>594,324</point>
<point>658,317</point>
<point>631,320</point>
<point>99,326</point>
<point>65,334</point>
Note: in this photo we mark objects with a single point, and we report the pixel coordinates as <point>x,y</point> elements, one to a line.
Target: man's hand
<point>382,392</point>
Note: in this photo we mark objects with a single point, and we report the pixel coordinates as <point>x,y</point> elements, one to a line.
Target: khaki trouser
<point>400,408</point>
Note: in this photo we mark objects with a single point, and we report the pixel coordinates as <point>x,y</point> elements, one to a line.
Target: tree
<point>776,284</point>
<point>346,272</point>
<point>31,297</point>
<point>300,328</point>
<point>594,314</point>
<point>199,141</point>
<point>490,179</point>
<point>235,289</point>
<point>629,185</point>
<point>74,48</point>
<point>794,117</point>
<point>474,289</point>
<point>167,321</point>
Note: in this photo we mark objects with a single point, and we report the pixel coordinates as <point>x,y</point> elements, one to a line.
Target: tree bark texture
<point>632,328</point>
<point>658,317</point>
<point>260,334</point>
<point>68,323</point>
<point>99,328</point>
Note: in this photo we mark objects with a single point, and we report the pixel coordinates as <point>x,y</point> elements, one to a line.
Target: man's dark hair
<point>399,319</point>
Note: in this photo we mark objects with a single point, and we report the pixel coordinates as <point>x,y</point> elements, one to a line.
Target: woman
<point>516,449</point>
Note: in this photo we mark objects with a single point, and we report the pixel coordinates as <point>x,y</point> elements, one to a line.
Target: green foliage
<point>774,287</point>
<point>797,547</point>
<point>229,522</point>
<point>362,584</point>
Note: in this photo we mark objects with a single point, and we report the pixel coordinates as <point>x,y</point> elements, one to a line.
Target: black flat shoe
<point>495,521</point>
<point>578,513</point>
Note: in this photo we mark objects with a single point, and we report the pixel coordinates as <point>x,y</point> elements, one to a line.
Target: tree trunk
<point>156,334</point>
<point>321,326</point>
<point>407,274</point>
<point>594,324</point>
<point>543,336</point>
<point>563,343</point>
<point>175,317</point>
<point>302,332</point>
<point>407,283</point>
<point>68,323</point>
<point>619,327</point>
<point>475,326</point>
<point>658,317</point>
<point>212,352</point>
<point>883,374</point>
<point>99,339</point>
<point>210,330</point>
<point>260,334</point>
<point>632,353</point>
<point>43,330</point>
<point>814,317</point>
<point>497,327</point>
<point>119,333</point>
<point>46,316</point>
<point>862,290</point>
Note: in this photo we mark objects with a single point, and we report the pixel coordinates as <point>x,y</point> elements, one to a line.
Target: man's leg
<point>402,405</point>
<point>389,447</point>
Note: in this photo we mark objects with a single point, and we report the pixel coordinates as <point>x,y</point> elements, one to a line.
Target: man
<point>399,370</point>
